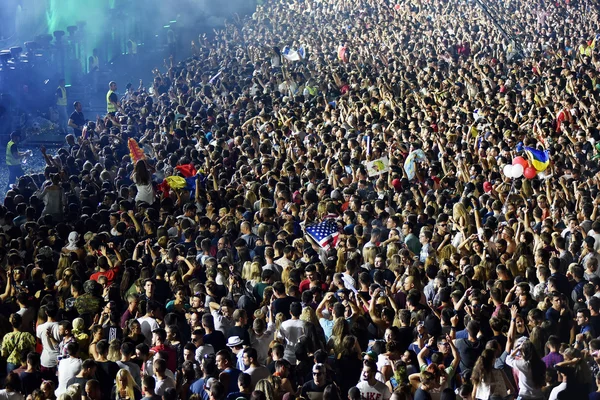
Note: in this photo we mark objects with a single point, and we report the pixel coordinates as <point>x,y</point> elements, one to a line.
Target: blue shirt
<point>198,388</point>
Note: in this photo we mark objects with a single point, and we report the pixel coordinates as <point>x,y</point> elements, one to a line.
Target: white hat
<point>234,341</point>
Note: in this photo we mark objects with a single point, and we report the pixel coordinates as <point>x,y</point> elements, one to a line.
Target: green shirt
<point>13,345</point>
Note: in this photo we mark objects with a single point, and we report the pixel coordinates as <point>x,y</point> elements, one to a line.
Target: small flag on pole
<point>325,233</point>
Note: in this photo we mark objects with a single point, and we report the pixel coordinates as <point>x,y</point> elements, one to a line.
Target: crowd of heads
<point>189,265</point>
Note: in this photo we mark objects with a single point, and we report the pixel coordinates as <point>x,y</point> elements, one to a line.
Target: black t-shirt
<point>30,381</point>
<point>162,291</point>
<point>595,323</point>
<point>405,337</point>
<point>311,391</point>
<point>348,370</point>
<point>216,339</point>
<point>469,352</point>
<point>283,306</point>
<point>136,393</point>
<point>79,120</point>
<point>113,332</point>
<point>105,374</point>
<point>241,332</point>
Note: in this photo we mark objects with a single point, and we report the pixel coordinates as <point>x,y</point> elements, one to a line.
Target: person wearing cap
<point>240,319</point>
<point>314,389</point>
<point>236,345</point>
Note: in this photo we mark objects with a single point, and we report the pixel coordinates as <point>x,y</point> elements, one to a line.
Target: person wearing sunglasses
<point>314,389</point>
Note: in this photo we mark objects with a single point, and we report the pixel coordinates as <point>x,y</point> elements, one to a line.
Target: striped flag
<point>325,233</point>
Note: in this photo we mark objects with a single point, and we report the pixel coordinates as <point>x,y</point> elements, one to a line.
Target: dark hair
<point>258,395</point>
<point>331,392</point>
<point>13,382</point>
<point>149,382</point>
<point>251,352</point>
<point>537,366</point>
<point>483,366</point>
<point>217,390</point>
<point>296,309</point>
<point>102,347</point>
<point>244,380</point>
<point>161,334</point>
<point>16,320</point>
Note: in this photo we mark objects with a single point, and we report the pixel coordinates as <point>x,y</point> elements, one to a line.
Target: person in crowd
<point>362,199</point>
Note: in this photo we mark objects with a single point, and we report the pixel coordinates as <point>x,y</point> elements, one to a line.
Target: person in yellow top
<point>15,343</point>
<point>112,101</point>
<point>61,106</point>
<point>13,158</point>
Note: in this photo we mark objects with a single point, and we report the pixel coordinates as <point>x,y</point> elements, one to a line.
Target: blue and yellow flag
<point>539,159</point>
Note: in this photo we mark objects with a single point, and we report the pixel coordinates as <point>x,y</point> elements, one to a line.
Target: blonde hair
<point>298,244</point>
<point>342,257</point>
<point>309,315</point>
<point>255,271</point>
<point>394,262</point>
<point>74,391</point>
<point>338,332</point>
<point>123,373</point>
<point>369,254</point>
<point>250,199</point>
<point>279,318</point>
<point>246,270</point>
<point>267,388</point>
<point>285,273</point>
<point>321,209</point>
<point>391,250</point>
<point>114,350</point>
<point>461,217</point>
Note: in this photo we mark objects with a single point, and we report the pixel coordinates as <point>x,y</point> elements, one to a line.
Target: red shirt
<point>172,359</point>
<point>110,275</point>
<point>305,285</point>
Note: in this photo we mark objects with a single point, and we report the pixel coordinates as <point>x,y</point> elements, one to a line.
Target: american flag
<point>325,233</point>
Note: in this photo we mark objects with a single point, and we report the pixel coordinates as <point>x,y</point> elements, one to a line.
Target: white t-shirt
<point>261,344</point>
<point>49,358</point>
<point>222,323</point>
<point>4,395</point>
<point>202,351</point>
<point>133,369</point>
<point>67,369</point>
<point>554,393</point>
<point>379,391</point>
<point>148,324</point>
<point>292,331</point>
<point>28,315</point>
<point>162,385</point>
<point>145,193</point>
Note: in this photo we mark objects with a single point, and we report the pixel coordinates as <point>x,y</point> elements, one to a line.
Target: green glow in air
<point>96,13</point>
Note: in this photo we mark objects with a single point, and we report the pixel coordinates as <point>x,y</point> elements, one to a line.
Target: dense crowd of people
<point>243,247</point>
